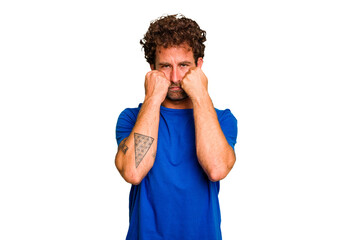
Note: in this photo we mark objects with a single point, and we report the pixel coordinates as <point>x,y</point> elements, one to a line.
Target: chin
<point>178,97</point>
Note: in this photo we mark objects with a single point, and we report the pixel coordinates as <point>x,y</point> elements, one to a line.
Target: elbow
<point>128,175</point>
<point>217,174</point>
<point>131,176</point>
<point>221,171</point>
<point>134,180</point>
<point>217,166</point>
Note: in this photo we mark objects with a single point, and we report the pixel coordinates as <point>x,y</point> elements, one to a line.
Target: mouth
<point>175,88</point>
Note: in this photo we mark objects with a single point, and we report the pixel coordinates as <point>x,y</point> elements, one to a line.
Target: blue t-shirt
<point>176,199</point>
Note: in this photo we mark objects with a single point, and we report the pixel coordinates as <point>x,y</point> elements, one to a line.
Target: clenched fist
<point>195,83</point>
<point>156,85</point>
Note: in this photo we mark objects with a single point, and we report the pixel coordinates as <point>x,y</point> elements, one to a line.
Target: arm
<point>214,153</point>
<point>136,153</point>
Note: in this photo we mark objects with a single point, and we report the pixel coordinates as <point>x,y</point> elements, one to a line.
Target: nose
<point>175,75</point>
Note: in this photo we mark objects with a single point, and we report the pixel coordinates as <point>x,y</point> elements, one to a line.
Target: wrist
<point>202,100</point>
<point>154,101</point>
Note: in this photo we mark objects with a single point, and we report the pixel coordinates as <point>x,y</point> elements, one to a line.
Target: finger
<point>190,71</point>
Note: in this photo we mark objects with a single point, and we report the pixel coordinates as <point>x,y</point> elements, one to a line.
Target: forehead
<point>180,53</point>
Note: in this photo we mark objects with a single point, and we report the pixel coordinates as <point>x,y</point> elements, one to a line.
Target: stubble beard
<point>176,95</point>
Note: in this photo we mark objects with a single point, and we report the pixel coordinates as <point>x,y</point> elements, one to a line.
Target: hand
<point>195,83</point>
<point>156,85</point>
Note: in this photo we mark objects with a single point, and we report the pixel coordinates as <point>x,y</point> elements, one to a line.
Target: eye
<point>165,66</point>
<point>184,65</point>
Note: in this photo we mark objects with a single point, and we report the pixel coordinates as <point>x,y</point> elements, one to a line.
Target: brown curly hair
<point>173,30</point>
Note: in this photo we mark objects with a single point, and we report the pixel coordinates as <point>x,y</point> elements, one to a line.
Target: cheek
<point>166,72</point>
<point>183,72</point>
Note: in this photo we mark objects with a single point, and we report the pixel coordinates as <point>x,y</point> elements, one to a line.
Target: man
<point>175,147</point>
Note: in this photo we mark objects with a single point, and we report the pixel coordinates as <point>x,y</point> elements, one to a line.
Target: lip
<point>175,88</point>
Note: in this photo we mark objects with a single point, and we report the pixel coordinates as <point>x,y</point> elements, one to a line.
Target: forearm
<point>136,154</point>
<point>214,153</point>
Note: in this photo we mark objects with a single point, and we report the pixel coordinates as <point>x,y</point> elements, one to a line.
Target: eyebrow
<point>185,62</point>
<point>165,63</point>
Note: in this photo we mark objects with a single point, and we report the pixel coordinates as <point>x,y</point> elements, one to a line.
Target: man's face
<point>175,62</point>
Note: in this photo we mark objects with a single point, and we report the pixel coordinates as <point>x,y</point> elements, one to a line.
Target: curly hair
<point>173,30</point>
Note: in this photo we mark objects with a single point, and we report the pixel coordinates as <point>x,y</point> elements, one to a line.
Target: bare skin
<point>136,153</point>
<point>175,82</point>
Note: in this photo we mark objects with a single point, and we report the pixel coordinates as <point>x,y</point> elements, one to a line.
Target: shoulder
<point>225,114</point>
<point>130,113</point>
<point>228,124</point>
<point>126,122</point>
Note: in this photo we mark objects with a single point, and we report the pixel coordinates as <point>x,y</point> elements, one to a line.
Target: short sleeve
<point>228,125</point>
<point>125,123</point>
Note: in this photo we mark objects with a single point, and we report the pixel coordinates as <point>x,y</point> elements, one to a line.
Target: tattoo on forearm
<point>123,146</point>
<point>142,146</point>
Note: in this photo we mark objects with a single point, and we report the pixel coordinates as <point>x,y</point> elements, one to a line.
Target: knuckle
<point>148,74</point>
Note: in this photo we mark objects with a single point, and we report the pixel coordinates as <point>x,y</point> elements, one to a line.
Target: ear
<point>152,66</point>
<point>200,62</point>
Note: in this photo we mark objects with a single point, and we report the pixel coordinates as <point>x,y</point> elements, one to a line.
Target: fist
<point>156,85</point>
<point>195,83</point>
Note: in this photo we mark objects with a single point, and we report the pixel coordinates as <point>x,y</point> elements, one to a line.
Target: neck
<point>182,104</point>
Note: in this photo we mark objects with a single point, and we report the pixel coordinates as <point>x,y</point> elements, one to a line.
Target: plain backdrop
<point>288,70</point>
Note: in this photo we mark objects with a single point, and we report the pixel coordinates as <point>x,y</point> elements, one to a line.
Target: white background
<point>288,70</point>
